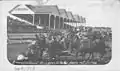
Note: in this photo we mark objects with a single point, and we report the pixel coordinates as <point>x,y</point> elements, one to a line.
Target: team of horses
<point>72,44</point>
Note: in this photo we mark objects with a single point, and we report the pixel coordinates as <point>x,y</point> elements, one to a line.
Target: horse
<point>80,47</point>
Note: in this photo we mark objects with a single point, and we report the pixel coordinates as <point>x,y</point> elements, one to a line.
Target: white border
<point>114,65</point>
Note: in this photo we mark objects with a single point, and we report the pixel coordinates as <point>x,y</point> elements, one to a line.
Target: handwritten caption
<point>22,68</point>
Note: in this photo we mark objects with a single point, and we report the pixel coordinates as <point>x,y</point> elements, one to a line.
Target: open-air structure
<point>47,16</point>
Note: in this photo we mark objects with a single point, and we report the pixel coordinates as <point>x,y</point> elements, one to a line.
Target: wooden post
<point>49,21</point>
<point>63,24</point>
<point>54,22</point>
<point>59,23</point>
<point>33,19</point>
<point>76,24</point>
<point>39,20</point>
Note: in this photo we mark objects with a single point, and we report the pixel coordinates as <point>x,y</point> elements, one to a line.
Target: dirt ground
<point>14,49</point>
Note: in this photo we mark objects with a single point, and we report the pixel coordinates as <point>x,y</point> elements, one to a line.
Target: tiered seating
<point>19,41</point>
<point>19,32</point>
<point>14,25</point>
<point>21,36</point>
<point>26,17</point>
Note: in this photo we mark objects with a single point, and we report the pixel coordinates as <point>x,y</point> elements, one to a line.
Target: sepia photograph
<point>46,34</point>
<point>59,35</point>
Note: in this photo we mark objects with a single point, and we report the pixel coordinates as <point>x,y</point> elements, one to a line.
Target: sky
<point>97,12</point>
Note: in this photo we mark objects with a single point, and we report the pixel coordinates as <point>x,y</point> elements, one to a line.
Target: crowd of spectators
<point>83,44</point>
<point>80,45</point>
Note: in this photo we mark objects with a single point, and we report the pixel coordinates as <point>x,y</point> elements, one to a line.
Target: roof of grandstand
<point>76,17</point>
<point>63,13</point>
<point>45,9</point>
<point>70,15</point>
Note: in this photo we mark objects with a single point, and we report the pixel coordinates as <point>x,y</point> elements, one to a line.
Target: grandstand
<point>25,21</point>
<point>46,16</point>
<point>35,19</point>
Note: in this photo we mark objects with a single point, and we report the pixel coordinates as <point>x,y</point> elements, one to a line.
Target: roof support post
<point>49,20</point>
<point>39,20</point>
<point>54,22</point>
<point>63,24</point>
<point>76,24</point>
<point>33,19</point>
<point>69,23</point>
<point>59,23</point>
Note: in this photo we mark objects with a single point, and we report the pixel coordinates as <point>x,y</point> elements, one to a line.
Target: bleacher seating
<point>29,18</point>
<point>21,36</point>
